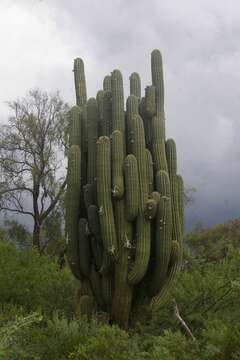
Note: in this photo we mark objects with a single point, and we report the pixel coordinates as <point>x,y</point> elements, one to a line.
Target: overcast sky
<point>200,45</point>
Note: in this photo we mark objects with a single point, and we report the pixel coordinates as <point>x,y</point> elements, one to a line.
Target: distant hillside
<point>214,242</point>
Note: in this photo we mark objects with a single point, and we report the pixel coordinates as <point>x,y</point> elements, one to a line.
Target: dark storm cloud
<point>200,46</point>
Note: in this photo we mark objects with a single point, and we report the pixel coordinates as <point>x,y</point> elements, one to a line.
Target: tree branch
<point>20,188</point>
<point>23,212</point>
<point>54,202</point>
<point>182,322</point>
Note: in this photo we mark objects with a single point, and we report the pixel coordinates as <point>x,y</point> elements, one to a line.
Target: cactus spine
<point>124,204</point>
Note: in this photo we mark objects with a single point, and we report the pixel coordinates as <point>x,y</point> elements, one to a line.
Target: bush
<point>109,343</point>
<point>34,282</point>
<point>36,319</point>
<point>35,337</point>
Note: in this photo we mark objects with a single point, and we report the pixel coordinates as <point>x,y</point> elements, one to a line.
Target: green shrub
<point>109,343</point>
<point>174,346</point>
<point>221,340</point>
<point>35,337</point>
<point>8,333</point>
<point>33,281</point>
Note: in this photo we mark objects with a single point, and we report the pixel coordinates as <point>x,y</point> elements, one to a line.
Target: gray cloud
<point>200,46</point>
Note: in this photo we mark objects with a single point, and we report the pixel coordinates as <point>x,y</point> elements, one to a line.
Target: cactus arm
<point>107,291</point>
<point>92,130</point>
<point>150,101</point>
<point>123,292</point>
<point>150,171</point>
<point>157,80</point>
<point>135,85</point>
<point>174,266</point>
<point>131,110</point>
<point>107,83</point>
<point>132,187</point>
<point>180,187</point>
<point>107,114</point>
<point>118,116</point>
<point>99,99</point>
<point>142,255</point>
<point>108,231</point>
<point>75,126</point>
<point>117,164</point>
<point>80,82</point>
<point>73,208</point>
<point>88,195</point>
<point>84,247</point>
<point>172,168</point>
<point>96,286</point>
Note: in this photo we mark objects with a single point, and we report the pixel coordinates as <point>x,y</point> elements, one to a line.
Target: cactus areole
<point>124,201</point>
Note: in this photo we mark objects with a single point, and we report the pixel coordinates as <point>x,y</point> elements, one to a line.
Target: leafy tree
<point>53,236</point>
<point>189,195</point>
<point>32,148</point>
<point>17,233</point>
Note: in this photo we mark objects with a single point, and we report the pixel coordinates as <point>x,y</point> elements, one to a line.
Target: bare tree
<point>32,149</point>
<point>189,195</point>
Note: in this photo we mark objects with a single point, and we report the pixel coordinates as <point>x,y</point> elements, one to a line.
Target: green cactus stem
<point>106,127</point>
<point>150,171</point>
<point>137,140</point>
<point>107,291</point>
<point>73,208</point>
<point>118,116</point>
<point>106,217</point>
<point>131,110</point>
<point>171,155</point>
<point>84,247</point>
<point>157,80</point>
<point>117,164</point>
<point>135,85</point>
<point>80,82</point>
<point>96,240</point>
<point>122,297</point>
<point>96,286</point>
<point>162,245</point>
<point>107,83</point>
<point>163,183</point>
<point>158,128</point>
<point>142,254</point>
<point>99,98</point>
<point>180,186</point>
<point>132,187</point>
<point>92,129</point>
<point>88,195</point>
<point>75,126</point>
<point>173,268</point>
<point>147,122</point>
<point>150,101</point>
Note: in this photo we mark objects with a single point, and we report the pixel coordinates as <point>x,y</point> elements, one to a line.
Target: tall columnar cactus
<point>124,204</point>
<point>135,85</point>
<point>80,82</point>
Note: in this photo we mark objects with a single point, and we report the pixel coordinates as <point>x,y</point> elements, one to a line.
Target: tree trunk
<point>37,236</point>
